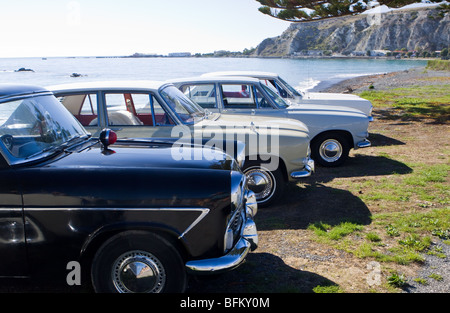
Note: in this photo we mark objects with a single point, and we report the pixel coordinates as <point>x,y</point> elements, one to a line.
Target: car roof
<point>14,90</point>
<point>108,85</point>
<point>259,74</point>
<point>224,79</point>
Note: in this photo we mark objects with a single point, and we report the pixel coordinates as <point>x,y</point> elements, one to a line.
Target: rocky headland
<point>425,29</point>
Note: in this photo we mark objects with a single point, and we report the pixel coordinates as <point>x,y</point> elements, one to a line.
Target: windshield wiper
<point>56,150</point>
<point>73,139</point>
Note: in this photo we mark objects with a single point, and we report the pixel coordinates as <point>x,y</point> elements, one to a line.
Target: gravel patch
<point>434,276</point>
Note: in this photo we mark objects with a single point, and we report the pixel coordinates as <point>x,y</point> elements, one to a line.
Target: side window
<point>280,89</point>
<point>135,109</point>
<point>82,106</point>
<point>261,100</point>
<point>203,94</point>
<point>161,116</point>
<point>237,96</point>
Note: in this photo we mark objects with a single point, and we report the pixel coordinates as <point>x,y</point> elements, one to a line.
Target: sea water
<point>303,74</point>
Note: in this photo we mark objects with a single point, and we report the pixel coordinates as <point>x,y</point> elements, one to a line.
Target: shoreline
<point>412,77</point>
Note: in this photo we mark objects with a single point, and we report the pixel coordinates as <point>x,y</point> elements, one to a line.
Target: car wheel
<point>330,149</point>
<point>267,185</point>
<point>138,262</point>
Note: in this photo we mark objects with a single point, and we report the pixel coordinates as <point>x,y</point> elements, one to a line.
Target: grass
<point>411,208</point>
<point>340,231</point>
<point>417,102</point>
<point>438,65</point>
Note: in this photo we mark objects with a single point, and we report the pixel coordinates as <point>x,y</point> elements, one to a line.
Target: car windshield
<point>275,97</point>
<point>186,110</point>
<point>292,89</point>
<point>36,126</point>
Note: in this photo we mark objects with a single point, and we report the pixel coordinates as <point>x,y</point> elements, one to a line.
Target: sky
<point>46,28</point>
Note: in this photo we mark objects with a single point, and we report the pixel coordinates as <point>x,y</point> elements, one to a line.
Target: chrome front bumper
<point>364,144</point>
<point>307,170</point>
<point>235,257</point>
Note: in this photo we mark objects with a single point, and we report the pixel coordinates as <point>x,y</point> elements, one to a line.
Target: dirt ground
<point>288,258</point>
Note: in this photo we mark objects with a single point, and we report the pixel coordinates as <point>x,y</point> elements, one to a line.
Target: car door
<point>130,114</point>
<point>245,99</point>
<point>12,230</point>
<point>204,94</point>
<point>137,115</point>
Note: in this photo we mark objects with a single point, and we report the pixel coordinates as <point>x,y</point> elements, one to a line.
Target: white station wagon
<point>276,149</point>
<point>296,97</point>
<point>333,130</point>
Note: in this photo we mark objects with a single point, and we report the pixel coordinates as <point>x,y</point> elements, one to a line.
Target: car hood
<point>324,110</point>
<point>146,156</point>
<point>250,121</point>
<point>334,99</point>
<point>332,96</point>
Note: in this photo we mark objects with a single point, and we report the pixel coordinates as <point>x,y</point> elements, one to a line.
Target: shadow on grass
<point>261,273</point>
<point>379,140</point>
<point>312,201</point>
<point>433,114</point>
<point>359,165</point>
<point>310,204</point>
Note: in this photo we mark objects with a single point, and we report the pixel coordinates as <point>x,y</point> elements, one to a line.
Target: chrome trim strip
<point>201,216</point>
<point>204,212</point>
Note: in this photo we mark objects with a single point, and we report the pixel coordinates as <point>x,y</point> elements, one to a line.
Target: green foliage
<point>336,232</point>
<point>329,288</point>
<point>396,280</point>
<point>294,10</point>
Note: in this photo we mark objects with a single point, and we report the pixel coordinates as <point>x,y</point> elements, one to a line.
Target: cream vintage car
<point>333,130</point>
<point>276,149</point>
<point>296,97</point>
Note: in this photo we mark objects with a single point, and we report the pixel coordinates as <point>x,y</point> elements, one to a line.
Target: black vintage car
<point>130,215</point>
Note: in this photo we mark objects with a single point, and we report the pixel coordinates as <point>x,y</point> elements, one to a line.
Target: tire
<point>330,149</point>
<point>268,186</point>
<point>120,261</point>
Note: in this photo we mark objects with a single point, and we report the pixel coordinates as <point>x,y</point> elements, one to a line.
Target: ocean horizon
<point>313,74</point>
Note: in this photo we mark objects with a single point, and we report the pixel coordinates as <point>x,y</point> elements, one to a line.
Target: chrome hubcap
<point>261,182</point>
<point>330,150</point>
<point>138,271</point>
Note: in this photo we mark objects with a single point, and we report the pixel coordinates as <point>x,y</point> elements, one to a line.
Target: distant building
<point>179,54</point>
<point>379,53</point>
<point>358,53</point>
<point>311,53</point>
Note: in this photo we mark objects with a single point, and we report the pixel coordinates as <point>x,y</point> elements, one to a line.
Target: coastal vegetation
<point>310,10</point>
<point>439,65</point>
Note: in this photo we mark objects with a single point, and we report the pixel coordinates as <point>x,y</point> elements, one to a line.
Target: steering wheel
<point>8,141</point>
